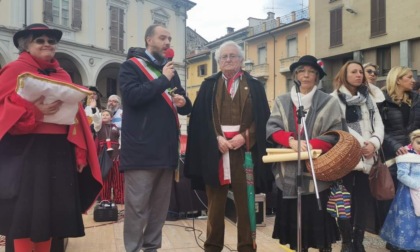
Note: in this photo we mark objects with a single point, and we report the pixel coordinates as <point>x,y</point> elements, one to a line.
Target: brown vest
<point>236,111</point>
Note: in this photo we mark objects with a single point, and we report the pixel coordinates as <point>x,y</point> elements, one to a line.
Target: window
<point>160,16</point>
<point>202,70</point>
<point>111,87</point>
<point>66,13</point>
<point>116,29</point>
<point>378,17</point>
<point>291,47</point>
<point>262,55</point>
<point>61,12</point>
<point>336,27</point>
<point>383,60</point>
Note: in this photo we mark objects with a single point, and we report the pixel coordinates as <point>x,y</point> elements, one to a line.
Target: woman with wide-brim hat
<point>49,173</point>
<point>319,228</point>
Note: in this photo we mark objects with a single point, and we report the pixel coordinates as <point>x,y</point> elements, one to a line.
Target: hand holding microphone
<point>169,69</point>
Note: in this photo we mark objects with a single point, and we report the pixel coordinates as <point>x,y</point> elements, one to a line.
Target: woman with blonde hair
<point>365,124</point>
<point>401,115</point>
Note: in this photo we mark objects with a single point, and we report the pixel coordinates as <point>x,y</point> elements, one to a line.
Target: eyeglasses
<point>113,101</point>
<point>41,41</point>
<point>303,71</point>
<point>231,56</point>
<point>372,72</point>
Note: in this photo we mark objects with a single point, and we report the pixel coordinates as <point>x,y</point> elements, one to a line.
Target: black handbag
<point>105,211</point>
<point>105,162</point>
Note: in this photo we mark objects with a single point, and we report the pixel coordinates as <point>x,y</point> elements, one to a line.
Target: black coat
<point>396,133</point>
<point>202,154</point>
<point>149,133</point>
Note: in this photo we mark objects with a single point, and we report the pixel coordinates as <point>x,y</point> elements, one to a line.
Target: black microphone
<point>297,82</point>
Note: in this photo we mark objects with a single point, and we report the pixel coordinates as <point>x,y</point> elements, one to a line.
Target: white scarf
<point>305,98</point>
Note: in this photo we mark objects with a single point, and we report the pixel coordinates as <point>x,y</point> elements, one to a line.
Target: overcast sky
<point>210,18</point>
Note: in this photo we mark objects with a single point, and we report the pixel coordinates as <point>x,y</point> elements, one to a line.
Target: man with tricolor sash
<point>149,138</point>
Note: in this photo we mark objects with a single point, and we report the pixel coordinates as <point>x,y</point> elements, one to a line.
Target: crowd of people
<point>50,171</point>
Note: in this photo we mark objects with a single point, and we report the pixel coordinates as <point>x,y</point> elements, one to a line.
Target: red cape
<point>18,116</point>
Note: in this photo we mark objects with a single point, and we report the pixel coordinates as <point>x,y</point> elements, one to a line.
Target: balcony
<point>270,24</point>
<point>260,71</point>
<point>286,62</point>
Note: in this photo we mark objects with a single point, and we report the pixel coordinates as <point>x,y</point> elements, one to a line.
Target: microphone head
<point>169,53</point>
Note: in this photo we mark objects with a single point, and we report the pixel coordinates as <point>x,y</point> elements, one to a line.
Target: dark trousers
<point>217,197</point>
<point>357,183</point>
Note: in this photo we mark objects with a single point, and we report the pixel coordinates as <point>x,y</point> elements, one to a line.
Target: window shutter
<point>332,28</point>
<point>121,31</point>
<point>378,17</point>
<point>114,29</point>
<point>336,27</point>
<point>77,15</point>
<point>381,16</point>
<point>339,30</point>
<point>48,17</point>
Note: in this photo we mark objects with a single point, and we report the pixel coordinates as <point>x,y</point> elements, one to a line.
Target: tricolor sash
<point>152,74</point>
<point>229,131</point>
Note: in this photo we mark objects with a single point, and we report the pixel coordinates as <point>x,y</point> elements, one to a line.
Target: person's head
<point>415,140</point>
<point>106,116</point>
<point>230,57</point>
<point>371,72</point>
<point>38,40</point>
<point>307,71</point>
<point>351,75</point>
<point>158,40</point>
<point>114,103</point>
<point>399,81</point>
<point>96,95</point>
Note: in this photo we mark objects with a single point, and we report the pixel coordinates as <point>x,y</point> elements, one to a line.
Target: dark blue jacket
<point>149,133</point>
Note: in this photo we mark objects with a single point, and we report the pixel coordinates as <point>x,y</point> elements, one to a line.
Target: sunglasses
<point>41,41</point>
<point>372,72</point>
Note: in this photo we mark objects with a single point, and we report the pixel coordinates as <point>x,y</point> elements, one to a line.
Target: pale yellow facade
<point>198,68</point>
<point>274,73</point>
<point>400,41</point>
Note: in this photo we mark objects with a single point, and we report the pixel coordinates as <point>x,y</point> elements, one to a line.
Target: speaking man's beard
<point>158,57</point>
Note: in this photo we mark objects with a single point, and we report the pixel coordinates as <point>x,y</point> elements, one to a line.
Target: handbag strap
<point>380,151</point>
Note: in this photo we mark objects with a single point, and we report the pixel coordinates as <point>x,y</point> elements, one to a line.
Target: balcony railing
<point>260,70</point>
<point>283,20</point>
<point>286,62</point>
<point>295,16</point>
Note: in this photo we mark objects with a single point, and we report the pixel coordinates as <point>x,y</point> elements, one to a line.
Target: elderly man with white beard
<point>114,105</point>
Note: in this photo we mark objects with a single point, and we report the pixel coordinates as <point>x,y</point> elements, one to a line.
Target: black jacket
<point>149,133</point>
<point>202,154</point>
<point>396,133</point>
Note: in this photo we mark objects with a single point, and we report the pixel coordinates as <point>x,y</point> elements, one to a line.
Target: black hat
<point>93,88</point>
<point>308,60</point>
<point>37,30</point>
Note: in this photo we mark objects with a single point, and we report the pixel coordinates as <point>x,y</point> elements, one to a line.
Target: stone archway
<point>69,64</point>
<point>107,79</point>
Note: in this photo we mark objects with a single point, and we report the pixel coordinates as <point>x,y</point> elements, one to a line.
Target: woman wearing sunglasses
<point>365,124</point>
<point>49,173</point>
<point>371,74</point>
